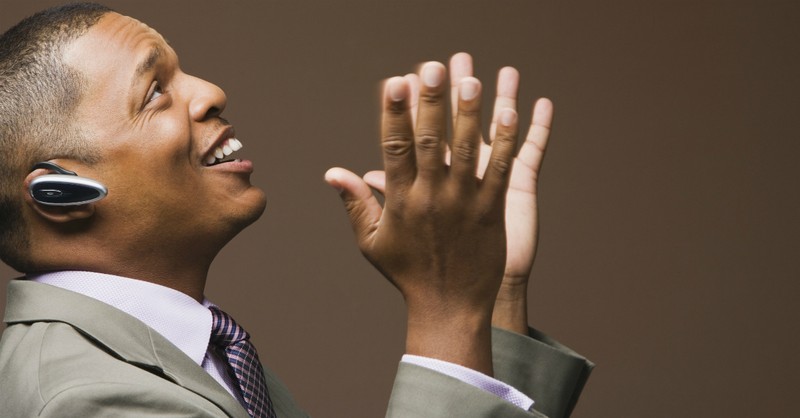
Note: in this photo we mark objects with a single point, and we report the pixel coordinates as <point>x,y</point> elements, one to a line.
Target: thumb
<point>361,205</point>
<point>377,180</point>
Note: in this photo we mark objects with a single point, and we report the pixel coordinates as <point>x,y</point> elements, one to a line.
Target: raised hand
<point>521,209</point>
<point>441,236</point>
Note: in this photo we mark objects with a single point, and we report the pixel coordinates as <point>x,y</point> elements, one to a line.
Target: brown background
<point>669,197</point>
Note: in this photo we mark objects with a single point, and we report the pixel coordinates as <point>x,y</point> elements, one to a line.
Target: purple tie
<point>243,359</point>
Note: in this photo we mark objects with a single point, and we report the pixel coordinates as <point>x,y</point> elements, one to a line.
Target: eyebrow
<point>147,64</point>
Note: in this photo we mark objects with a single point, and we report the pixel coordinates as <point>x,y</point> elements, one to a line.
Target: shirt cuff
<point>474,378</point>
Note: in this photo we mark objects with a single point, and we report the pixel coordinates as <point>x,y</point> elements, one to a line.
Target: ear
<point>57,214</point>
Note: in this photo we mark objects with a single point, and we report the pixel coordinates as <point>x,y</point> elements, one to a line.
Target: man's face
<point>158,130</point>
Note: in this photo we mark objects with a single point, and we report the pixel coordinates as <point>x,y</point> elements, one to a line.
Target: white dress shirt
<point>187,324</point>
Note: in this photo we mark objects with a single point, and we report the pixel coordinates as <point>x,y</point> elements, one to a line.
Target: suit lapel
<point>123,335</point>
<point>182,370</point>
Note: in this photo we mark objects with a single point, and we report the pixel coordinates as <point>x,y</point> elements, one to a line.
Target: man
<point>111,318</point>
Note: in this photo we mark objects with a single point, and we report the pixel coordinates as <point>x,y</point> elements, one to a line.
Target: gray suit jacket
<point>67,355</point>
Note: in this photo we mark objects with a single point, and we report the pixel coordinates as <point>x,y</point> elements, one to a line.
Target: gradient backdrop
<point>669,199</point>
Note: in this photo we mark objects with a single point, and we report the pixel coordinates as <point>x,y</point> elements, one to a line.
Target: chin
<point>256,203</point>
<point>240,212</point>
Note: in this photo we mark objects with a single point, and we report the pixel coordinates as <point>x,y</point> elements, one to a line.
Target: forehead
<point>113,37</point>
<point>112,56</point>
<point>113,48</point>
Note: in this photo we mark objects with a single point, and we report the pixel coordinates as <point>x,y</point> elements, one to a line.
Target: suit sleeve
<point>548,372</point>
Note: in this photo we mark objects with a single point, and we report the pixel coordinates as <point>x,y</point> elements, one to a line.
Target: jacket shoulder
<point>52,369</point>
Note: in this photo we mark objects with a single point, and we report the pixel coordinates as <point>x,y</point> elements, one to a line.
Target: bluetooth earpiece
<point>65,188</point>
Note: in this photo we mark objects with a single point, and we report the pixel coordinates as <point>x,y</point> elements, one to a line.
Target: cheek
<point>154,161</point>
<point>163,148</point>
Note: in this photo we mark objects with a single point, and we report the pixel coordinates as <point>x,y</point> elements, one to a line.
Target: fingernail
<point>432,74</point>
<point>397,89</point>
<point>508,117</point>
<point>469,89</point>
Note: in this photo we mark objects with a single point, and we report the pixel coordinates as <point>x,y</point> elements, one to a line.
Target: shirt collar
<point>176,316</point>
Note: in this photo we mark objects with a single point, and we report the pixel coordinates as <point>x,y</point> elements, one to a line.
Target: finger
<point>532,150</point>
<point>361,205</point>
<point>483,158</point>
<point>430,130</point>
<point>397,136</point>
<point>507,88</point>
<point>460,67</point>
<point>467,131</point>
<point>377,180</point>
<point>413,82</point>
<point>495,179</point>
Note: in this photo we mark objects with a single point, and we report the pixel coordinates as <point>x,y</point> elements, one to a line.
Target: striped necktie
<point>243,360</point>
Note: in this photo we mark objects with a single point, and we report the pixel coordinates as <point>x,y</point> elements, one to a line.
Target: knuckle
<point>354,210</point>
<point>504,137</point>
<point>500,166</point>
<point>429,139</point>
<point>396,109</point>
<point>468,112</point>
<point>465,150</point>
<point>426,205</point>
<point>431,98</point>
<point>396,144</point>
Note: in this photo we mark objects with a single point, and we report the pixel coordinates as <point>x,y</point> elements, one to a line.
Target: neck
<point>185,273</point>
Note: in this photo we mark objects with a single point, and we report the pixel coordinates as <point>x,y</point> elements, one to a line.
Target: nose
<point>208,100</point>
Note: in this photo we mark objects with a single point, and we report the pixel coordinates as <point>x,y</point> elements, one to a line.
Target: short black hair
<point>38,94</point>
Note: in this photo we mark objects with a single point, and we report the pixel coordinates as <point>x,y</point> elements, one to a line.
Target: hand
<point>510,311</point>
<point>440,238</point>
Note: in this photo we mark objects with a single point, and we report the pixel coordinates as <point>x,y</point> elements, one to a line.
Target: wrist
<point>511,307</point>
<point>457,336</point>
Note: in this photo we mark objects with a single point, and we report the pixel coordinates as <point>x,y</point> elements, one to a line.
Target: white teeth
<point>227,148</point>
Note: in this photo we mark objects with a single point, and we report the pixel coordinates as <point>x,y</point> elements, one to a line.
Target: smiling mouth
<point>221,153</point>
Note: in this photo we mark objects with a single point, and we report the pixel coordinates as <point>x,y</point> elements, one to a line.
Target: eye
<point>155,91</point>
